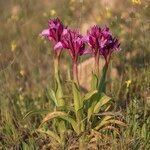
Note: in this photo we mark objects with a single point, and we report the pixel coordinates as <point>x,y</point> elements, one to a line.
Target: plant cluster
<point>90,111</point>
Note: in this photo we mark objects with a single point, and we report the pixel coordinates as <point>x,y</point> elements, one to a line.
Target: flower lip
<point>45,32</point>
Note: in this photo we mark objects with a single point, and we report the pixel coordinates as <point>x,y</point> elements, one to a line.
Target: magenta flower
<point>109,44</point>
<point>101,42</point>
<point>93,36</point>
<point>55,31</point>
<point>72,41</point>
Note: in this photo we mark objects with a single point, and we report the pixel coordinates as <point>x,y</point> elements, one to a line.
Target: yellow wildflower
<point>22,72</point>
<point>136,2</point>
<point>13,46</point>
<point>108,12</point>
<point>52,12</point>
<point>128,83</point>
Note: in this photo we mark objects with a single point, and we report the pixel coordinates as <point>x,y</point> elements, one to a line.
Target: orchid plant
<point>54,33</point>
<point>102,43</point>
<point>90,110</point>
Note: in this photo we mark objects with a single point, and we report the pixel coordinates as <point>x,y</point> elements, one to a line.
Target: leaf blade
<point>103,100</point>
<point>62,115</point>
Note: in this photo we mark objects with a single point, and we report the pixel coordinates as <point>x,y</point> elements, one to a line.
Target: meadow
<point>45,106</point>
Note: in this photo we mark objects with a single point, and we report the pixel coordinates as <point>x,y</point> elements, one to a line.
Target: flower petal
<point>45,32</point>
<point>65,31</point>
<point>87,51</point>
<point>85,39</point>
<point>58,46</point>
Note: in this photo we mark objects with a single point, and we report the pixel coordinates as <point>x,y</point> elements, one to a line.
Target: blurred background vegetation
<point>26,65</point>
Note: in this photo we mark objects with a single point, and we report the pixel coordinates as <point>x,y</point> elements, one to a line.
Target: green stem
<point>77,97</point>
<point>95,74</point>
<point>56,65</point>
<point>102,83</point>
<point>60,124</point>
<point>75,72</point>
<point>97,63</point>
<point>59,91</point>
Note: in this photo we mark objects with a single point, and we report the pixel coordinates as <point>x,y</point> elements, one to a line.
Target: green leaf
<point>62,115</point>
<point>59,93</point>
<point>96,102</point>
<point>118,122</point>
<point>110,128</point>
<point>102,83</point>
<point>51,95</point>
<point>102,122</point>
<point>89,95</point>
<point>53,115</point>
<point>66,108</point>
<point>52,134</point>
<point>94,81</point>
<point>25,146</point>
<point>61,127</point>
<point>77,96</point>
<point>143,131</point>
<point>91,109</point>
<point>88,99</point>
<point>34,112</point>
<point>103,100</point>
<point>108,120</point>
<point>93,101</point>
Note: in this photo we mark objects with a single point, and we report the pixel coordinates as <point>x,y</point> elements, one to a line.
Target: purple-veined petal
<point>72,40</point>
<point>85,38</point>
<point>102,39</point>
<point>64,31</point>
<point>45,32</point>
<point>58,46</point>
<point>87,51</point>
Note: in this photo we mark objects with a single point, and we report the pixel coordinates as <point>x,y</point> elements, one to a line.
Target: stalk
<point>59,91</point>
<point>75,72</point>
<point>59,95</point>
<point>95,75</point>
<point>77,98</point>
<point>56,64</point>
<point>102,83</point>
<point>97,63</point>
